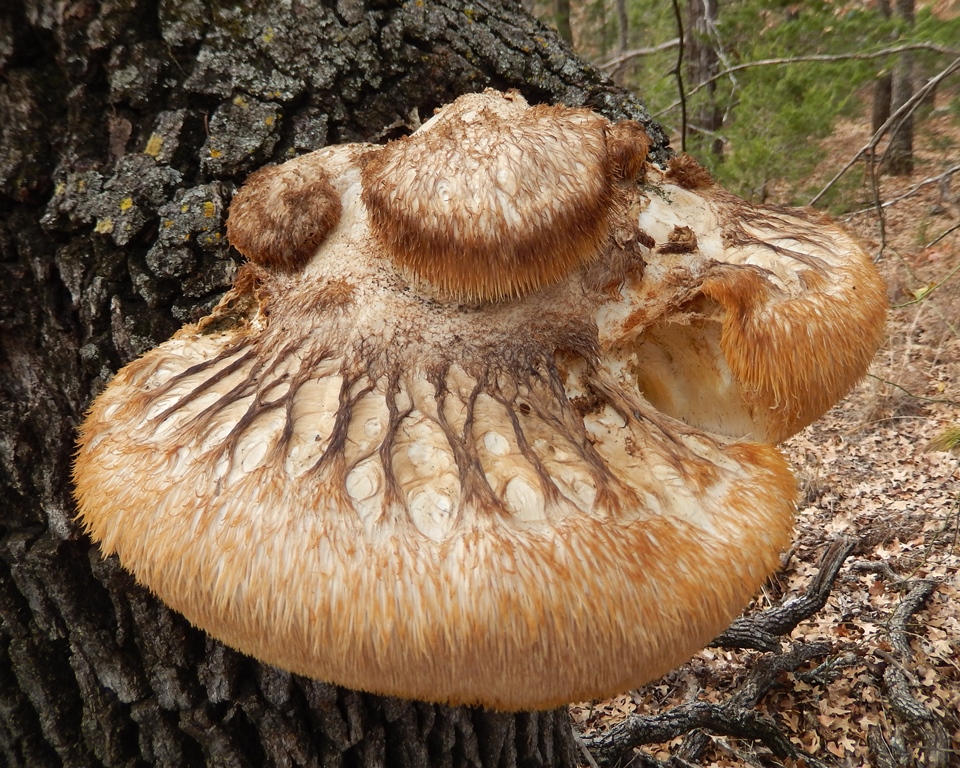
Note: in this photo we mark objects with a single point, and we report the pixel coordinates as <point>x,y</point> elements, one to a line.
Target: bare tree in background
<point>883,87</point>
<point>562,18</point>
<point>702,64</point>
<point>623,39</point>
<point>126,128</point>
<point>898,159</point>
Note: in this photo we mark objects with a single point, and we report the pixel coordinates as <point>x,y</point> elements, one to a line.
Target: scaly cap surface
<point>493,199</point>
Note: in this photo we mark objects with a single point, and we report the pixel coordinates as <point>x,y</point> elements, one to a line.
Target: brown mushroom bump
<point>684,171</point>
<point>628,144</point>
<point>347,472</point>
<point>283,213</point>
<point>494,200</point>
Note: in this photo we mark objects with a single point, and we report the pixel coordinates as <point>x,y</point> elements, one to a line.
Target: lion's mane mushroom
<point>458,432</point>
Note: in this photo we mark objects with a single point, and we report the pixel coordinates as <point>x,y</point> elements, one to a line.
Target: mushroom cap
<point>283,212</point>
<point>347,472</point>
<point>492,199</point>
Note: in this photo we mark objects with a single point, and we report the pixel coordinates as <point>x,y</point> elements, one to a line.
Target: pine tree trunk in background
<point>898,159</point>
<point>702,64</point>
<point>882,95</point>
<point>623,38</point>
<point>883,86</point>
<point>126,127</point>
<point>562,16</point>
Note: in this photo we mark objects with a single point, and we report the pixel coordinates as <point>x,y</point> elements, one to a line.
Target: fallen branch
<point>816,57</point>
<point>931,289</point>
<point>941,400</point>
<point>897,677</point>
<point>878,567</point>
<point>940,237</point>
<point>764,627</point>
<point>611,64</point>
<point>761,679</point>
<point>736,717</point>
<point>909,193</point>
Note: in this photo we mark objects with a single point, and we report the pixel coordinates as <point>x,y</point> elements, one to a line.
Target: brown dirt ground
<point>866,470</point>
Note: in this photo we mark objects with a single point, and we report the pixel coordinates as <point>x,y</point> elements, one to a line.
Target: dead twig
<point>735,717</point>
<point>611,64</point>
<point>940,237</point>
<point>943,401</point>
<point>828,671</point>
<point>896,681</point>
<point>816,57</point>
<point>761,630</point>
<point>879,567</point>
<point>678,73</point>
<point>929,290</point>
<point>906,195</point>
<point>761,679</point>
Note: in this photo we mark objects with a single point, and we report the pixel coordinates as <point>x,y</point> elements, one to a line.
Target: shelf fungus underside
<point>488,417</point>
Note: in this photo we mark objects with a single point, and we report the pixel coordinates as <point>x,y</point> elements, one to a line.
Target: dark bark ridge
<point>126,127</point>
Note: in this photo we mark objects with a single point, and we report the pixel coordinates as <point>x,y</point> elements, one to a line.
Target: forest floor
<point>867,470</point>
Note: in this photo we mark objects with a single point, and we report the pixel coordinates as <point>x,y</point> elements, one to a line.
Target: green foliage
<point>774,116</point>
<point>780,112</point>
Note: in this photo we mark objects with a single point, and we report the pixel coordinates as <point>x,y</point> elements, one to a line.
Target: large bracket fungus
<point>487,417</point>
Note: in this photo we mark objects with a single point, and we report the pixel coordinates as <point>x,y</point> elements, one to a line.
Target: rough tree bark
<point>126,125</point>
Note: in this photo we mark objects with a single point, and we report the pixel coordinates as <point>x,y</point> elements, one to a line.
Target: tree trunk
<point>702,64</point>
<point>898,159</point>
<point>562,16</point>
<point>126,127</point>
<point>623,40</point>
<point>883,86</point>
<point>882,95</point>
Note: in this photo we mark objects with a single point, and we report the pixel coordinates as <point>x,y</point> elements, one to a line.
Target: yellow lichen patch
<point>209,209</point>
<point>126,204</point>
<point>154,145</point>
<point>104,226</point>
